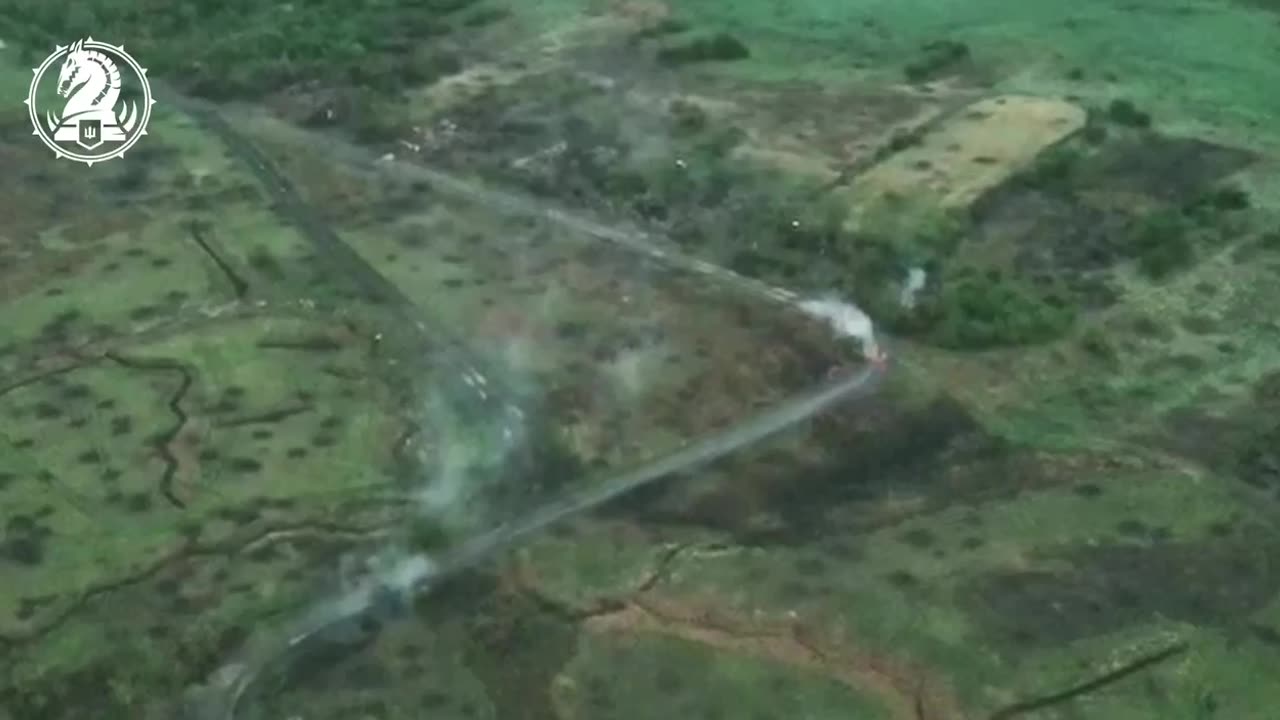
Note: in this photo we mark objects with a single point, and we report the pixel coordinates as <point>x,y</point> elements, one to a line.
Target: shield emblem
<point>90,134</point>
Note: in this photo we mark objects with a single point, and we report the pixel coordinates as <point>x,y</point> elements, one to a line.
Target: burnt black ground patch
<point>874,450</point>
<point>1217,581</point>
<point>1244,443</point>
<point>1076,214</point>
<point>1257,462</point>
<point>1054,230</point>
<point>909,450</point>
<point>1175,170</point>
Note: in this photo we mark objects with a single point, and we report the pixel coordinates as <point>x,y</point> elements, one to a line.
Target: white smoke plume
<point>915,282</point>
<point>847,320</point>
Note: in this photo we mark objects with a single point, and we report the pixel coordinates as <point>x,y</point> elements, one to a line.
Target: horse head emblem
<point>94,114</point>
<point>73,68</point>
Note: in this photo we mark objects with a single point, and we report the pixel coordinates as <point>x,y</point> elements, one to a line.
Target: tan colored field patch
<point>975,150</point>
<point>836,130</point>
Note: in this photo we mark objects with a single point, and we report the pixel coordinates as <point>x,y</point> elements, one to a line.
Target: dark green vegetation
<point>1161,244</point>
<point>937,58</point>
<point>1244,443</point>
<point>687,117</point>
<point>718,47</point>
<point>1083,529</point>
<point>1184,214</point>
<point>900,140</point>
<point>247,50</point>
<point>748,217</point>
<point>983,310</point>
<point>1219,580</point>
<point>1124,112</point>
<point>714,203</point>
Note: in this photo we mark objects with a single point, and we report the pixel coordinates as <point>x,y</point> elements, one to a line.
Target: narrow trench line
<point>265,418</point>
<point>45,375</point>
<point>229,546</point>
<point>196,229</point>
<point>164,441</point>
<point>1143,663</point>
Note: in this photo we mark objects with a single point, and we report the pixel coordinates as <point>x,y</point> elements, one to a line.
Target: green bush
<point>244,49</point>
<point>899,141</point>
<point>687,117</point>
<point>913,231</point>
<point>1096,343</point>
<point>1095,128</point>
<point>938,57</point>
<point>1124,112</point>
<point>719,47</point>
<point>977,313</point>
<point>1054,170</point>
<point>1228,198</point>
<point>1161,243</point>
<point>903,139</point>
<point>1094,134</point>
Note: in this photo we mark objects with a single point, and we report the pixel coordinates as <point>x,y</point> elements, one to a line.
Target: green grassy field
<point>219,359</point>
<point>1165,58</point>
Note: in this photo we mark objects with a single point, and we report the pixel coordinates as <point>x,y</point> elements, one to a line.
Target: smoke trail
<point>848,320</point>
<point>417,574</point>
<point>693,456</point>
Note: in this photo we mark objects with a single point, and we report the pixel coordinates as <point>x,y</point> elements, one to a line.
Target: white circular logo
<point>107,101</point>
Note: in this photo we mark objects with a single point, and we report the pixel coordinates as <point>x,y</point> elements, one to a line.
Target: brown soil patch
<point>903,691</point>
<point>472,82</point>
<point>31,268</point>
<point>822,133</point>
<point>906,691</point>
<point>1167,169</point>
<point>185,448</point>
<point>976,149</point>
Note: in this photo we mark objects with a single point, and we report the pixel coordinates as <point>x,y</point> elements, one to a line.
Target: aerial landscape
<point>644,359</point>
